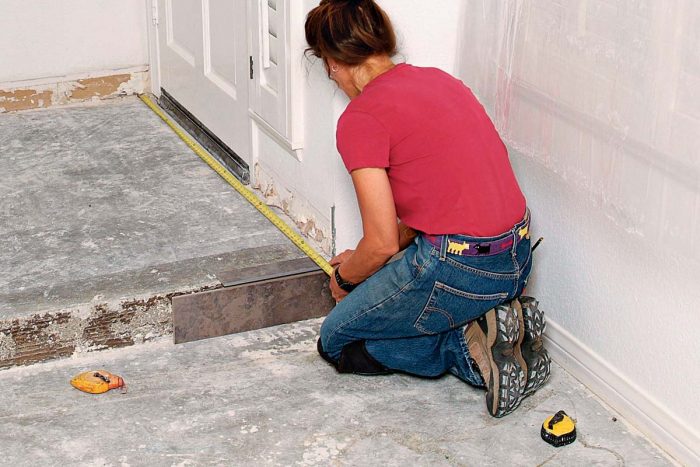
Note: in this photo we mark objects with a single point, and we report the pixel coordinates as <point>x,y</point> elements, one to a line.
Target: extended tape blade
<point>263,208</point>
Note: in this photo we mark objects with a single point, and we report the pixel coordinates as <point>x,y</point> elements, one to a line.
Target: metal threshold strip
<point>205,137</point>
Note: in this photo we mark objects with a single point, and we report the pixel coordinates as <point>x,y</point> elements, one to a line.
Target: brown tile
<point>251,306</point>
<point>265,272</point>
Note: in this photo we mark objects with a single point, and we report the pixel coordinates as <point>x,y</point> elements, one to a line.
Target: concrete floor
<point>266,398</point>
<point>106,200</point>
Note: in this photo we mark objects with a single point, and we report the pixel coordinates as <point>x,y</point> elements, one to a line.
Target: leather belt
<point>474,247</point>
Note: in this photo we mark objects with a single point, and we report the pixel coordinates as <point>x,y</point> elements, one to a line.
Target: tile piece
<point>267,271</point>
<point>251,306</point>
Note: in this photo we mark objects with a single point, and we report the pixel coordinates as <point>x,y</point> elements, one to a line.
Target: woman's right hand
<point>341,258</point>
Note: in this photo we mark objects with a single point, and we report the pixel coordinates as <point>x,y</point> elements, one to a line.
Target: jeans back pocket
<point>449,308</point>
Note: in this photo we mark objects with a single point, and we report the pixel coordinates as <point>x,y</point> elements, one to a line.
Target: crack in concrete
<point>549,459</point>
<point>585,444</point>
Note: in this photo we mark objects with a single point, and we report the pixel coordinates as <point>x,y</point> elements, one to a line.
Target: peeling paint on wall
<point>71,90</point>
<point>24,99</point>
<point>99,87</point>
<point>304,216</point>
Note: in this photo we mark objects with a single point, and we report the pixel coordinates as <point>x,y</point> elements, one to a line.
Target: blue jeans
<point>413,311</point>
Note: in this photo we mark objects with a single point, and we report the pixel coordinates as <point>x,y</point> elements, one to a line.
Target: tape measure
<point>559,429</point>
<point>263,208</point>
<point>98,382</point>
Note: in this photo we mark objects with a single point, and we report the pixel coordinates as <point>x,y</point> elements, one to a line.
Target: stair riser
<point>87,328</point>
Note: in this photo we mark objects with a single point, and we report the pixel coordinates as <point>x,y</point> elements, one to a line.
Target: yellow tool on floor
<point>98,382</point>
<point>559,429</point>
<point>240,188</point>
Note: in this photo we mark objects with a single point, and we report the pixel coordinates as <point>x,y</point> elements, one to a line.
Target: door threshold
<point>205,137</point>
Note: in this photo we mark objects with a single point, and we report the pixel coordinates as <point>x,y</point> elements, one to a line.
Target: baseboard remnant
<point>644,412</point>
<point>35,94</point>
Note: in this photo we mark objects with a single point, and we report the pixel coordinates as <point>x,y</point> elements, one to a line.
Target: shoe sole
<point>518,346</point>
<point>507,380</point>
<point>534,354</point>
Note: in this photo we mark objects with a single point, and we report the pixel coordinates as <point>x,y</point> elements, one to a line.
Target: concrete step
<point>105,216</point>
<point>208,306</point>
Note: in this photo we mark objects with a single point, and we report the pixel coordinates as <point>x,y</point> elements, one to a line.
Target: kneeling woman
<point>420,148</point>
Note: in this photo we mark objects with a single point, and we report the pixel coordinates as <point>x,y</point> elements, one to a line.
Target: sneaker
<point>491,340</point>
<point>532,352</point>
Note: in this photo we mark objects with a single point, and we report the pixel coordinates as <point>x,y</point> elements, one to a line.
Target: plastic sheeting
<point>605,94</point>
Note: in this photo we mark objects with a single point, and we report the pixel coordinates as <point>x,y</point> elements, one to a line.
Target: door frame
<point>153,45</point>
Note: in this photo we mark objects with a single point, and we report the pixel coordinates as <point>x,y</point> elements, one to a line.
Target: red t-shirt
<point>448,168</point>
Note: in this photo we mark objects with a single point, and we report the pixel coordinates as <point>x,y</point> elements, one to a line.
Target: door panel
<point>183,39</point>
<point>204,65</point>
<point>270,99</point>
<point>220,64</point>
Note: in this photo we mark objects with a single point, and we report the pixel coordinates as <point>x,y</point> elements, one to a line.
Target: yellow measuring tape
<point>240,188</point>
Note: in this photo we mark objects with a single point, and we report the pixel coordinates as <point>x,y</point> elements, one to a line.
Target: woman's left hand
<point>341,258</point>
<point>337,293</point>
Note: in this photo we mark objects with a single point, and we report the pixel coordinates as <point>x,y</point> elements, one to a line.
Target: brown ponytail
<point>349,31</point>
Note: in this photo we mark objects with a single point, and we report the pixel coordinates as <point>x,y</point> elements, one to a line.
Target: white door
<point>204,65</point>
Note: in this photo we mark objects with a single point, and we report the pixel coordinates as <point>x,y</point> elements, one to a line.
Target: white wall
<point>48,38</point>
<point>600,104</point>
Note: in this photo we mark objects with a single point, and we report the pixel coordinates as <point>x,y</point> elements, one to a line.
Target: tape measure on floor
<point>559,429</point>
<point>98,382</point>
<point>263,208</point>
